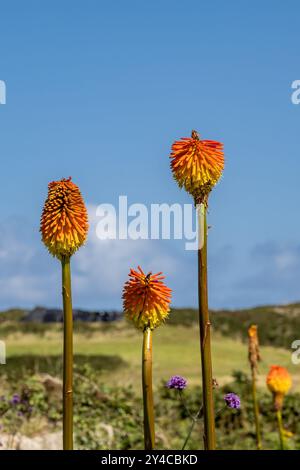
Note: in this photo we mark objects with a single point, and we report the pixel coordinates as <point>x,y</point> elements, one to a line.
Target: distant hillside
<point>52,315</point>
<point>278,325</point>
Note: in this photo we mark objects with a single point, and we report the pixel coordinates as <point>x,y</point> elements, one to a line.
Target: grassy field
<point>107,386</point>
<point>175,348</point>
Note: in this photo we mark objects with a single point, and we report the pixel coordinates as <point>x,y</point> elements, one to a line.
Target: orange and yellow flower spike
<point>279,383</point>
<point>64,227</point>
<point>146,302</point>
<point>64,221</point>
<point>197,165</point>
<point>146,299</point>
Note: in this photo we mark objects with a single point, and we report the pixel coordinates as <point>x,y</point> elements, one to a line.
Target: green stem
<point>256,412</point>
<point>205,337</point>
<point>220,411</point>
<point>280,429</point>
<point>194,420</point>
<point>149,432</point>
<point>68,356</point>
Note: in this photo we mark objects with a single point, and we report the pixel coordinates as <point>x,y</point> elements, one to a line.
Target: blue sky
<point>99,90</point>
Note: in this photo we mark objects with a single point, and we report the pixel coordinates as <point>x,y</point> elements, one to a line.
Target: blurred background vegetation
<point>107,379</point>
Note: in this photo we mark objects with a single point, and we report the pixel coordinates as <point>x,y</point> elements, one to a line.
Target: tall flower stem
<point>68,355</point>
<point>205,334</point>
<point>280,429</point>
<point>149,432</point>
<point>256,411</point>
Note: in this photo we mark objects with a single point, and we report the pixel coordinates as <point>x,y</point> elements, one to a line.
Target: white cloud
<point>30,276</point>
<point>286,259</point>
<point>273,273</point>
<point>102,266</point>
<point>23,289</point>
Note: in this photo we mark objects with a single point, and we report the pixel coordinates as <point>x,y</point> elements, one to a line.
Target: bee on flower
<point>197,165</point>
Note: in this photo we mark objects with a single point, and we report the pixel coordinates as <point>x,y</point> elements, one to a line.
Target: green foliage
<point>13,315</point>
<point>107,417</point>
<point>110,417</point>
<point>15,324</point>
<point>21,367</point>
<point>276,325</point>
<point>183,316</point>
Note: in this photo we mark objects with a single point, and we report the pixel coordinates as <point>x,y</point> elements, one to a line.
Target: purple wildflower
<point>15,399</point>
<point>177,382</point>
<point>232,400</point>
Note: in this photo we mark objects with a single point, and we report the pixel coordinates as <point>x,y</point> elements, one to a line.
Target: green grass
<point>176,351</point>
<point>277,325</point>
<point>108,360</point>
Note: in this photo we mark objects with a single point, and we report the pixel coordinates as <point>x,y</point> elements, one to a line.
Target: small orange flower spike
<point>197,165</point>
<point>146,299</point>
<point>279,383</point>
<point>64,221</point>
<point>253,352</point>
